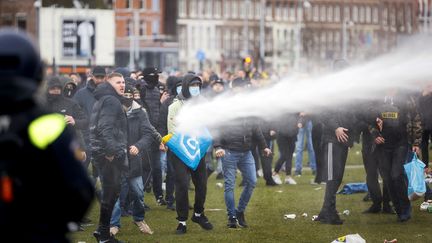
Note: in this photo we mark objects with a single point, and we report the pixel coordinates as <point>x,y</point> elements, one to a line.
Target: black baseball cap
<point>151,71</point>
<point>99,71</point>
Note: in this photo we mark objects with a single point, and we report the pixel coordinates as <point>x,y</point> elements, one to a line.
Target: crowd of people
<point>120,117</point>
<point>128,113</point>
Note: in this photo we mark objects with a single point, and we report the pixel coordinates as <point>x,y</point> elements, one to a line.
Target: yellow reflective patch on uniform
<point>389,115</point>
<point>46,129</point>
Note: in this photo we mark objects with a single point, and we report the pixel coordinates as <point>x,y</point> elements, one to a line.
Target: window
<point>227,9</point>
<point>209,38</point>
<point>21,21</point>
<point>128,3</point>
<point>251,10</point>
<point>209,6</point>
<point>292,15</point>
<point>308,13</point>
<point>278,11</point>
<point>347,15</point>
<point>155,5</point>
<point>269,12</point>
<point>336,13</point>
<point>330,40</point>
<point>182,38</point>
<point>385,16</point>
<point>362,14</point>
<point>200,9</point>
<point>182,8</point>
<point>218,39</point>
<point>242,9</point>
<point>285,12</point>
<point>143,29</point>
<point>368,14</point>
<point>128,27</point>
<point>235,41</point>
<point>392,16</point>
<point>316,13</point>
<point>142,4</point>
<point>155,27</point>
<point>408,17</point>
<point>257,10</point>
<point>218,8</point>
<point>323,13</point>
<point>227,44</point>
<point>330,14</point>
<point>355,14</point>
<point>375,15</point>
<point>193,8</point>
<point>234,12</point>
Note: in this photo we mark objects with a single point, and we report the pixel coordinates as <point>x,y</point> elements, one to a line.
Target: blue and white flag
<point>189,149</point>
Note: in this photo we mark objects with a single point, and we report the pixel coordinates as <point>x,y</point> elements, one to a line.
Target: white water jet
<point>407,67</point>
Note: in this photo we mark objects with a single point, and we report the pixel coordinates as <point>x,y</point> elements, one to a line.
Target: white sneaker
<point>277,179</point>
<point>143,227</point>
<point>114,230</point>
<point>260,173</point>
<point>289,180</point>
<point>424,206</point>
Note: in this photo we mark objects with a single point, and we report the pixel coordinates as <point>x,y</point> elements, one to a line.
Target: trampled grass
<point>265,217</point>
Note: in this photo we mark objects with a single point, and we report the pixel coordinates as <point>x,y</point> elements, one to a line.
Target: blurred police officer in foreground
<point>43,187</point>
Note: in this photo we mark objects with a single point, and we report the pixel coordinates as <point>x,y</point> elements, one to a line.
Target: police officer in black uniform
<point>43,186</point>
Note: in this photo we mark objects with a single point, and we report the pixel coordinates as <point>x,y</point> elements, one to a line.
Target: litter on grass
<point>289,216</point>
<point>353,238</point>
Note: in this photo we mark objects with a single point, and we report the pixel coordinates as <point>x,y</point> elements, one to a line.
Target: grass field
<point>265,217</point>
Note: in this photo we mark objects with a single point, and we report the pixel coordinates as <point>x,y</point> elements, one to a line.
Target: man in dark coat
<point>73,114</point>
<point>108,140</point>
<point>141,134</point>
<point>150,96</point>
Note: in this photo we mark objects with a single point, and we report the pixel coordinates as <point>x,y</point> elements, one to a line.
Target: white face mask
<point>179,89</point>
<point>194,91</point>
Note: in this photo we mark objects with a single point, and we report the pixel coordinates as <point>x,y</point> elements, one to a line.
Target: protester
<point>191,86</point>
<point>150,96</point>
<point>234,145</point>
<point>141,134</point>
<point>286,137</point>
<point>174,86</point>
<point>108,138</point>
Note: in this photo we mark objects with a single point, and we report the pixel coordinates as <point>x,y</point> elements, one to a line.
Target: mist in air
<point>407,67</point>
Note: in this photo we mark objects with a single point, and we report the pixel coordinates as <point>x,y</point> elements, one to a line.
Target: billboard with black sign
<point>78,38</point>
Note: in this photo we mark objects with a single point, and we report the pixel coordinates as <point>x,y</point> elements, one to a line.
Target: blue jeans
<point>306,130</point>
<point>219,166</point>
<point>163,159</point>
<point>246,164</point>
<point>136,188</point>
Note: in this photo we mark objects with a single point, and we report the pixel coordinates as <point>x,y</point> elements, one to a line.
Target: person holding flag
<point>191,87</point>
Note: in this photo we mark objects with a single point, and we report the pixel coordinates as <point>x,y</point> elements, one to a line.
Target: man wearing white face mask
<point>191,88</point>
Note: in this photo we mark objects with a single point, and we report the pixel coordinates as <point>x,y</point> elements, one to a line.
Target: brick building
<point>145,35</point>
<point>298,34</point>
<point>19,13</point>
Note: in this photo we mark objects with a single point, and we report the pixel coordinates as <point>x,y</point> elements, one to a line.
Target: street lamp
<point>37,5</point>
<point>346,23</point>
<point>306,4</point>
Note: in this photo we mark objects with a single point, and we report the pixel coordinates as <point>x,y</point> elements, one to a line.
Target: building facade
<point>298,34</point>
<point>19,13</point>
<point>144,35</point>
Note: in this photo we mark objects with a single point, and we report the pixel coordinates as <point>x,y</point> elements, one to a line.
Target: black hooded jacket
<point>108,124</point>
<point>66,106</point>
<point>141,134</point>
<point>163,116</point>
<point>86,98</point>
<point>238,136</point>
<point>150,97</point>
